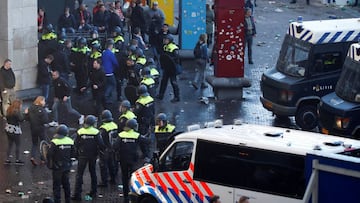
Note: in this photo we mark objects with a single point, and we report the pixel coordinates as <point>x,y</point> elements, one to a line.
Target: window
<point>177,158</point>
<point>327,62</point>
<point>250,168</point>
<point>348,86</point>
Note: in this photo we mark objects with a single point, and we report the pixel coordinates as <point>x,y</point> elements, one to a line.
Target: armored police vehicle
<point>263,163</point>
<point>308,67</point>
<point>339,111</point>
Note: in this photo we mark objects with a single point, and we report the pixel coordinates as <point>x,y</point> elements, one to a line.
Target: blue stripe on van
<point>175,195</point>
<point>188,199</point>
<point>292,30</point>
<point>352,53</point>
<point>309,38</point>
<point>335,37</point>
<point>303,35</point>
<point>357,38</point>
<point>323,37</point>
<point>347,36</point>
<point>166,196</point>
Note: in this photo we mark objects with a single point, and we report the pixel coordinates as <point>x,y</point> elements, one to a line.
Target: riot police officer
<point>87,141</point>
<point>126,145</point>
<point>108,132</point>
<point>148,81</point>
<point>59,156</point>
<point>126,114</point>
<point>145,112</point>
<point>164,131</point>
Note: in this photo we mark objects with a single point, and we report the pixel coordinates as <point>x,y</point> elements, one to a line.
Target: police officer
<point>148,81</point>
<point>164,131</point>
<point>78,63</point>
<point>126,114</point>
<point>87,141</point>
<point>145,112</point>
<point>169,72</point>
<point>126,146</point>
<point>140,57</point>
<point>108,132</point>
<point>59,156</point>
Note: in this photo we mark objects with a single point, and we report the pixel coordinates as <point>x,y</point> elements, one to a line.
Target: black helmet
<point>96,46</point>
<point>62,36</point>
<point>118,30</point>
<point>132,48</point>
<point>106,116</point>
<point>143,91</point>
<point>81,41</point>
<point>161,117</point>
<point>132,124</point>
<point>145,71</point>
<point>139,52</point>
<point>126,104</point>
<point>49,27</point>
<point>169,37</point>
<point>62,130</point>
<point>94,32</point>
<point>90,120</point>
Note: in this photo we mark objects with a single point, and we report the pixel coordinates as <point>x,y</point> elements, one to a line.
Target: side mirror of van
<point>155,160</point>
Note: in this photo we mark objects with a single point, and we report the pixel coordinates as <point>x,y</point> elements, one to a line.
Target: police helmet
<point>161,117</point>
<point>145,71</point>
<point>106,116</point>
<point>132,124</point>
<point>139,52</point>
<point>169,37</point>
<point>150,61</point>
<point>49,27</point>
<point>62,130</point>
<point>62,36</point>
<point>126,104</point>
<point>94,32</point>
<point>118,30</point>
<point>81,41</point>
<point>143,91</point>
<point>132,48</point>
<point>90,120</point>
<point>96,46</point>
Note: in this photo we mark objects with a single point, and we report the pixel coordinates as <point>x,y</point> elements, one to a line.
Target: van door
<point>174,175</point>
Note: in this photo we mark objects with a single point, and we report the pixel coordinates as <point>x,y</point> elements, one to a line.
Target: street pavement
<point>31,184</point>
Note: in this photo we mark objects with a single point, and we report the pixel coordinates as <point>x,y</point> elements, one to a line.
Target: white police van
<point>264,163</point>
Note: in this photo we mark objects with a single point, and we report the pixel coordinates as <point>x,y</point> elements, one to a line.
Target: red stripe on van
<point>196,188</point>
<point>139,179</point>
<point>172,184</point>
<point>159,180</point>
<point>191,167</point>
<point>148,179</point>
<point>207,189</point>
<point>183,185</point>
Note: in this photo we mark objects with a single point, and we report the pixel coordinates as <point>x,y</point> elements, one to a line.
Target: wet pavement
<point>31,184</point>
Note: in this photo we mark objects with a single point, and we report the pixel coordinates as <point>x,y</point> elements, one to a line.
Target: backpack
<point>197,50</point>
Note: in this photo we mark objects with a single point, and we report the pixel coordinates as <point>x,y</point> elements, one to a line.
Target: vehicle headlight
<point>286,95</point>
<point>342,123</point>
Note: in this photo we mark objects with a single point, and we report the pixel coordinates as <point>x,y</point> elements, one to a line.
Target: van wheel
<point>306,117</point>
<point>148,200</point>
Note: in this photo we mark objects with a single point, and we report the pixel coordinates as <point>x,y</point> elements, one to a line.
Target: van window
<point>177,158</point>
<point>327,62</point>
<point>250,168</point>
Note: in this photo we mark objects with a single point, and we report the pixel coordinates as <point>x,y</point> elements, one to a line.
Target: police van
<point>339,112</point>
<point>308,67</point>
<point>263,163</point>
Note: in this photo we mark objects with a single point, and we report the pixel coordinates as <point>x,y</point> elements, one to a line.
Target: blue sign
<point>192,22</point>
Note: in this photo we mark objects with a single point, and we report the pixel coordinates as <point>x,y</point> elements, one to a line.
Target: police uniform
<point>145,111</point>
<point>126,145</point>
<point>108,132</point>
<point>150,84</point>
<point>125,117</point>
<point>162,135</point>
<point>87,141</point>
<point>59,160</point>
<point>79,57</point>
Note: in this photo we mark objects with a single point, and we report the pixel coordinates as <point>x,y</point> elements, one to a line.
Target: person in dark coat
<point>14,117</point>
<point>97,84</point>
<point>38,118</point>
<point>66,22</point>
<point>44,75</point>
<point>250,32</point>
<point>137,17</point>
<point>101,19</point>
<point>7,84</point>
<point>59,155</point>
